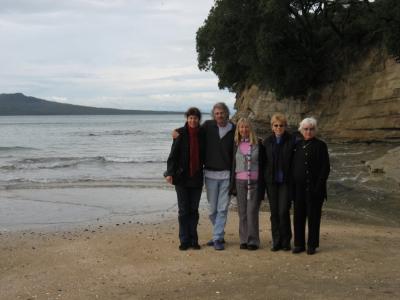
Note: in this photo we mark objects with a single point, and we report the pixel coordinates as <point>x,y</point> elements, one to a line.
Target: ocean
<point>58,171</point>
<point>61,151</point>
<point>62,171</point>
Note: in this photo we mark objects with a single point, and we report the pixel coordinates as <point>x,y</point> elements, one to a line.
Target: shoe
<point>183,247</point>
<point>210,243</point>
<point>196,247</point>
<point>286,248</point>
<point>243,246</point>
<point>252,247</point>
<point>310,250</point>
<point>218,245</point>
<point>297,250</point>
<point>276,248</point>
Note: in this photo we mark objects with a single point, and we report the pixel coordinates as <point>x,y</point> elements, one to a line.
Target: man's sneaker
<point>210,243</point>
<point>218,245</point>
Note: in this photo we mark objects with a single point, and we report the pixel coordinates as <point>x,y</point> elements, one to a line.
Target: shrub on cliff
<point>291,46</point>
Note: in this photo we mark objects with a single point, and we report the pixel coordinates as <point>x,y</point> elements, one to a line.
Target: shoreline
<point>142,261</point>
<point>56,209</point>
<point>71,208</point>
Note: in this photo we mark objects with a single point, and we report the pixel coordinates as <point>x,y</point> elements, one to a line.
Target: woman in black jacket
<point>278,152</point>
<point>310,171</point>
<point>185,171</point>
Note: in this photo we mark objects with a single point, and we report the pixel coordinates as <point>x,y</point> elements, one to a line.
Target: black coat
<point>178,159</point>
<point>260,180</point>
<point>311,166</point>
<point>218,155</point>
<point>287,147</point>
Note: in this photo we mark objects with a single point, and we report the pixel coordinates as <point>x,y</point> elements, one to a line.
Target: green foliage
<point>292,46</point>
<point>389,14</point>
<point>226,43</point>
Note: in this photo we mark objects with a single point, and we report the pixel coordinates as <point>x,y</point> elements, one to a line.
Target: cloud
<point>137,54</point>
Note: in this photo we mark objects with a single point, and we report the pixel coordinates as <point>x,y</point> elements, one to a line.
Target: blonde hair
<point>278,117</point>
<point>252,135</point>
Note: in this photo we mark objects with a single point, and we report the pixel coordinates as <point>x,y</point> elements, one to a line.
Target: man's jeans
<point>218,199</point>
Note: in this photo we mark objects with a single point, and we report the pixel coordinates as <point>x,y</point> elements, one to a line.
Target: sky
<point>127,54</point>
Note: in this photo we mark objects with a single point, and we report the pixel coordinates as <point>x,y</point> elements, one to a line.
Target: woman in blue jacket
<point>278,152</point>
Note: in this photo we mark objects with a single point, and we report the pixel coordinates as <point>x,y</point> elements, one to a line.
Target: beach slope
<point>142,261</point>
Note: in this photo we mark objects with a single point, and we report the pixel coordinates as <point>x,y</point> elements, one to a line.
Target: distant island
<point>18,105</point>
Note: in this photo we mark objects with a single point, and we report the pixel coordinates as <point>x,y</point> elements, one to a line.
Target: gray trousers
<point>248,213</point>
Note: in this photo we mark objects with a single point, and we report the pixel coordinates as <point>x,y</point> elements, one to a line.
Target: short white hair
<point>308,121</point>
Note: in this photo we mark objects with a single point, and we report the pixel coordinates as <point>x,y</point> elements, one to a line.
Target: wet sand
<point>71,207</point>
<point>121,242</point>
<point>387,165</point>
<point>142,261</point>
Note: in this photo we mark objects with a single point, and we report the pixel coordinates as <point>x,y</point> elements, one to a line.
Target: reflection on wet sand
<point>356,194</point>
<point>353,195</point>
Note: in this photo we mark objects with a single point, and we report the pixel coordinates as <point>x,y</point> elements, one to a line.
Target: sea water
<point>84,150</point>
<point>58,170</point>
<point>68,170</point>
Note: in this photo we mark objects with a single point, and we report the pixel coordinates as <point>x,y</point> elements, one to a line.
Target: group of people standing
<point>232,161</point>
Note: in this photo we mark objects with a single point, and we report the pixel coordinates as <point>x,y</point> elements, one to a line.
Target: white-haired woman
<point>310,171</point>
<point>247,182</point>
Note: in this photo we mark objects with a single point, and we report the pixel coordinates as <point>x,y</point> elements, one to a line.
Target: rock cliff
<point>364,105</point>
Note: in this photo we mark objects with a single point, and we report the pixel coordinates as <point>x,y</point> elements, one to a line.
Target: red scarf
<point>194,161</point>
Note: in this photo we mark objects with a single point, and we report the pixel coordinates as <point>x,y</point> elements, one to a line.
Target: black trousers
<point>306,208</point>
<point>279,205</point>
<point>188,213</point>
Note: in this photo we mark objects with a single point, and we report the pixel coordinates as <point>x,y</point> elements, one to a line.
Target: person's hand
<point>174,134</point>
<point>169,179</point>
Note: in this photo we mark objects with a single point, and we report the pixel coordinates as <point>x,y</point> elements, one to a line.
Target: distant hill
<point>19,104</point>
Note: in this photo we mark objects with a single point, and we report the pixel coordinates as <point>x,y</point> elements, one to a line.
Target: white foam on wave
<point>67,162</point>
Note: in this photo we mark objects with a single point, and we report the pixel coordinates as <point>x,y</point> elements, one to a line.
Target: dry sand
<point>137,261</point>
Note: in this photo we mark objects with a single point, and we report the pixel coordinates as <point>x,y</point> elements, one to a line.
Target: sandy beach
<point>119,240</point>
<point>132,260</point>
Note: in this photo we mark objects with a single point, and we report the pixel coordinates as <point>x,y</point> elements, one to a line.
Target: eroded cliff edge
<point>363,106</point>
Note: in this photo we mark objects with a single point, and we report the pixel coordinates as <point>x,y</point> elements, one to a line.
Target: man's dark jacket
<point>218,152</point>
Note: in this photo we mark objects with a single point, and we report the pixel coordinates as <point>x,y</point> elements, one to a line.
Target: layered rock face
<point>364,105</point>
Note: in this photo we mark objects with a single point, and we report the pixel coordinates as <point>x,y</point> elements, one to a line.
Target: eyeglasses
<point>309,129</point>
<point>279,125</point>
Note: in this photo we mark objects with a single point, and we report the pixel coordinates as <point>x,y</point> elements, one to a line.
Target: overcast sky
<point>130,54</point>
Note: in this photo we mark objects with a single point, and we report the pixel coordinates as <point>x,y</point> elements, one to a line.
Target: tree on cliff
<point>292,46</point>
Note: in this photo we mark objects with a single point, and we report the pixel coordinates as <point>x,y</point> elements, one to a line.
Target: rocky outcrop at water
<point>388,165</point>
<point>364,105</point>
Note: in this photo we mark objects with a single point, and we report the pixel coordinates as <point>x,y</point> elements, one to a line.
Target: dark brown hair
<point>193,111</point>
